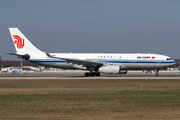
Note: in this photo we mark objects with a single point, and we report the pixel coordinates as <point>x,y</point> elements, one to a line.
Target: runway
<point>82,77</point>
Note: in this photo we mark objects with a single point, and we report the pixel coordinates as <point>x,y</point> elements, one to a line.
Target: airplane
<point>95,63</point>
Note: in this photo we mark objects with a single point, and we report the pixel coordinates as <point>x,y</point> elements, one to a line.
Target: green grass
<point>89,99</point>
<point>116,101</point>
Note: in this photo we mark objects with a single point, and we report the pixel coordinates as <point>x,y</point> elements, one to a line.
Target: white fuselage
<point>126,61</point>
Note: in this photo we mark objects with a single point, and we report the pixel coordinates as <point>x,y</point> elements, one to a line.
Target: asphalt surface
<point>82,77</point>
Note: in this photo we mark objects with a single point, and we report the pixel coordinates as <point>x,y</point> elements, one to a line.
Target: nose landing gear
<point>157,74</point>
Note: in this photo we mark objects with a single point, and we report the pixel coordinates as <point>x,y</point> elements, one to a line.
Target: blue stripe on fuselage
<point>48,60</point>
<point>135,61</point>
<point>102,60</point>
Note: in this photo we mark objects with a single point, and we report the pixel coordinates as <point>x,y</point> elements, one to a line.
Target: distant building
<point>6,69</point>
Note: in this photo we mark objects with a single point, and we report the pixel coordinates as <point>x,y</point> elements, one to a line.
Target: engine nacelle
<point>112,70</point>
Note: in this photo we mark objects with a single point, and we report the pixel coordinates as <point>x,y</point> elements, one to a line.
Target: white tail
<point>21,43</point>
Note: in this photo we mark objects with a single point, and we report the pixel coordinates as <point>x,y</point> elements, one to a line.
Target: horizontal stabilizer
<point>25,56</point>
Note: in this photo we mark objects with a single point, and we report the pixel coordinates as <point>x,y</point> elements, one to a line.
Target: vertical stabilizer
<point>21,43</point>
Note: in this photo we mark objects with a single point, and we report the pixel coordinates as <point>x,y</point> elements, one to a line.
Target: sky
<point>101,26</point>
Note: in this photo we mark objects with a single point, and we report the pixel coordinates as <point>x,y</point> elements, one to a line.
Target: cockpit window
<point>169,58</point>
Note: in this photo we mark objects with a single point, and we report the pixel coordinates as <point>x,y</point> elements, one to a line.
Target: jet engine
<point>112,70</point>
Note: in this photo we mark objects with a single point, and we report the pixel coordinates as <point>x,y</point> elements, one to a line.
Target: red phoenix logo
<point>19,41</point>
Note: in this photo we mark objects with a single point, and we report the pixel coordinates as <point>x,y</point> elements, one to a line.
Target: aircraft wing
<point>26,56</point>
<point>78,62</point>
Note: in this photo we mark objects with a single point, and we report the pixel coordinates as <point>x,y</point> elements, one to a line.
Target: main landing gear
<point>87,74</point>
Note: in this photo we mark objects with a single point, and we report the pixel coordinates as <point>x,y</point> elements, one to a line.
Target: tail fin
<point>21,43</point>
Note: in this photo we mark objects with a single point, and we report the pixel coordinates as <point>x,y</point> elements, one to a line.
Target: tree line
<point>15,63</point>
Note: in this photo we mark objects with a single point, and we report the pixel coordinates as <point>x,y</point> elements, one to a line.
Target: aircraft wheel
<point>97,74</point>
<point>87,74</point>
<point>92,74</point>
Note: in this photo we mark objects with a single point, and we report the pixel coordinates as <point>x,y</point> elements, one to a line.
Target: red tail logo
<point>19,41</point>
